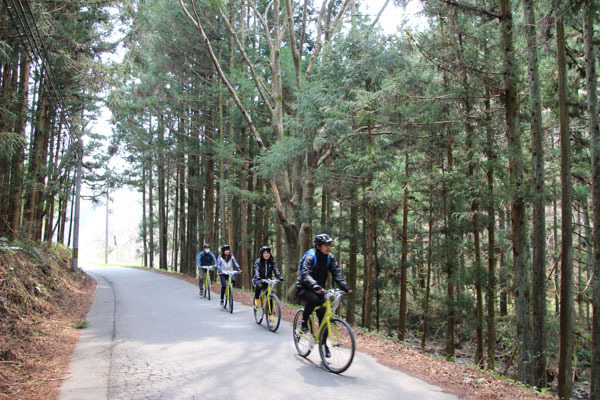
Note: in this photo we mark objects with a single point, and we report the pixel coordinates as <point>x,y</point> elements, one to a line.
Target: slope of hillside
<point>41,303</point>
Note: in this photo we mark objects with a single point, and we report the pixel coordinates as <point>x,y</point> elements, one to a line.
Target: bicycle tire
<point>342,346</point>
<point>273,309</point>
<point>207,290</point>
<point>301,341</point>
<point>231,298</point>
<point>258,311</point>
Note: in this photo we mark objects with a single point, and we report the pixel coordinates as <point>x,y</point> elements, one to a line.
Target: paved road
<point>151,337</point>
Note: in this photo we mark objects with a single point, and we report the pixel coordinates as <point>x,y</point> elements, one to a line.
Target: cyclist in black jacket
<point>312,276</point>
<point>264,267</point>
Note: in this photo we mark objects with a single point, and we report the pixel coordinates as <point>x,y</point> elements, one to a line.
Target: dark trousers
<point>259,288</point>
<point>312,300</point>
<point>224,284</point>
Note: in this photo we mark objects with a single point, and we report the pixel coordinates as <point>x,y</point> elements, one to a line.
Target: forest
<point>457,165</point>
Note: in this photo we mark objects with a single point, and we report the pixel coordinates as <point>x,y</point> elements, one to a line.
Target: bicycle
<point>334,336</point>
<point>229,290</point>
<point>204,284</point>
<point>269,306</point>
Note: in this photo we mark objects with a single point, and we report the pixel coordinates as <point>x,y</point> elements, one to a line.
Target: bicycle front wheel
<point>302,341</point>
<point>231,298</point>
<point>207,291</point>
<point>337,346</point>
<point>258,311</point>
<point>274,313</point>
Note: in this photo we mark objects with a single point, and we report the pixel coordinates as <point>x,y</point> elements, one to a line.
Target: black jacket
<point>315,278</point>
<point>264,269</point>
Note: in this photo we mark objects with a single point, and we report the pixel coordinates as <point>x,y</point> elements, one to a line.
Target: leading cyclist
<point>312,276</point>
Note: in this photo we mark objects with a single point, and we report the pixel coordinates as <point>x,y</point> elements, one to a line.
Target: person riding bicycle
<point>226,263</point>
<point>264,267</point>
<point>312,276</point>
<point>205,258</point>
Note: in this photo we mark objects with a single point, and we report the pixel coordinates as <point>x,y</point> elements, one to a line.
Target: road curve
<point>151,336</point>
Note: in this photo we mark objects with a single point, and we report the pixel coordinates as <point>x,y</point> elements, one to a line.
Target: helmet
<point>206,246</point>
<point>263,249</point>
<point>225,247</point>
<point>322,239</point>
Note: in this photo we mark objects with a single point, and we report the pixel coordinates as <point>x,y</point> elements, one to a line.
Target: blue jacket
<point>206,259</point>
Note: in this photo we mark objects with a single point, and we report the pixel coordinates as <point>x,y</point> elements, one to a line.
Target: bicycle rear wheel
<point>231,298</point>
<point>340,344</point>
<point>274,313</point>
<point>258,311</point>
<point>302,341</point>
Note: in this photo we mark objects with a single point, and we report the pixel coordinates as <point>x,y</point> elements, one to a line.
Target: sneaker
<point>271,318</point>
<point>257,302</point>
<point>304,327</point>
<point>327,352</point>
<point>222,302</point>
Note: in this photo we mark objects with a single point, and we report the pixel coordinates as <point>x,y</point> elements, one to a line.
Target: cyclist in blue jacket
<point>226,262</point>
<point>264,267</point>
<point>312,276</point>
<point>205,258</point>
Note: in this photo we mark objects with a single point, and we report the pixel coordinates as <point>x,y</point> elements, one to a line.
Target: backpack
<point>313,252</point>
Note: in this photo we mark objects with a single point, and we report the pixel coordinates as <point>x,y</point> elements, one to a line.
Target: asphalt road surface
<point>151,336</point>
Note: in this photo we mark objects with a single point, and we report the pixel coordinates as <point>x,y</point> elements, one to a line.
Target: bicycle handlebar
<point>207,267</point>
<point>231,272</point>
<point>271,282</point>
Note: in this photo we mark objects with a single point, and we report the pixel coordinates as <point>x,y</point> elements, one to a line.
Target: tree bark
<point>162,211</point>
<point>538,236</point>
<point>518,185</point>
<point>352,256</point>
<point>592,108</point>
<point>565,350</point>
<point>403,261</point>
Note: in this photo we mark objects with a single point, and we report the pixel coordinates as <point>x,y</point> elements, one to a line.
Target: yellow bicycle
<point>269,306</point>
<point>204,284</point>
<point>334,336</point>
<point>229,290</point>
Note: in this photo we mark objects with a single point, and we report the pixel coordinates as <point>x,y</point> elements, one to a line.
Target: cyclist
<point>264,267</point>
<point>205,258</point>
<point>312,276</point>
<point>226,262</point>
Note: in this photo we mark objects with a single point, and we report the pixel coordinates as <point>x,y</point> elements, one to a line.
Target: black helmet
<point>263,249</point>
<point>225,247</point>
<point>206,246</point>
<point>322,239</point>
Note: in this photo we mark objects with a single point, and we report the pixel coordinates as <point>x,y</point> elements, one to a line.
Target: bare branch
<point>260,85</point>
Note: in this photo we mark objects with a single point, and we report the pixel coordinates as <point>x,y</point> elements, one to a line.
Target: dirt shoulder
<point>40,301</point>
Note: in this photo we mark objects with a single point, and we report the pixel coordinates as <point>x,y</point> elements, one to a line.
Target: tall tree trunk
<point>353,238</point>
<point>16,190</point>
<point>592,108</point>
<point>243,244</point>
<point>538,236</point>
<point>450,253</point>
<point>491,228</point>
<point>429,264</point>
<point>144,219</point>
<point>565,361</point>
<point>518,184</point>
<point>162,206</point>
<point>33,170</point>
<point>404,258</point>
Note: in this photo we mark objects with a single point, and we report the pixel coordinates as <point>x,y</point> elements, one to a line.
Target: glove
<point>317,288</point>
<point>346,288</point>
<point>281,279</point>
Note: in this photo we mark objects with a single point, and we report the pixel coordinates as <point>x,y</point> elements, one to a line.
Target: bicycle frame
<point>266,294</point>
<point>331,295</point>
